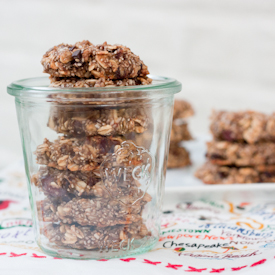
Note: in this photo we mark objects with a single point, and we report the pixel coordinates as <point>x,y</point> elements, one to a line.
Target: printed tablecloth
<point>198,237</point>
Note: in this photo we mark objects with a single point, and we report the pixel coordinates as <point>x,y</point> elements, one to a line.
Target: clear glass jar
<point>95,161</point>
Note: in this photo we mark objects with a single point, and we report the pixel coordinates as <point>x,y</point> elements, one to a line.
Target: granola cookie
<point>100,212</point>
<point>46,210</point>
<point>241,154</point>
<point>180,132</point>
<point>88,121</point>
<point>74,154</point>
<point>178,157</point>
<point>251,127</point>
<point>214,174</point>
<point>85,237</point>
<point>73,82</point>
<point>182,109</point>
<point>64,185</point>
<point>85,60</point>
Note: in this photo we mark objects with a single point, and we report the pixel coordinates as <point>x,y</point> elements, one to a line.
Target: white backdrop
<point>223,51</point>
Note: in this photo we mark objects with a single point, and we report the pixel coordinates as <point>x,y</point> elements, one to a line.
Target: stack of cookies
<point>91,200</point>
<point>178,155</point>
<point>242,150</point>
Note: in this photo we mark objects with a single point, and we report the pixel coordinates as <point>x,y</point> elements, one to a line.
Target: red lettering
<point>165,225</point>
<point>224,238</point>
<point>206,236</point>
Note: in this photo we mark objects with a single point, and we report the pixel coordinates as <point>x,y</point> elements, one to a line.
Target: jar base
<point>77,254</point>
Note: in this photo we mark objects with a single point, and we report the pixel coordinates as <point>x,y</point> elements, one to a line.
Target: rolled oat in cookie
<point>214,174</point>
<point>251,127</point>
<point>100,212</point>
<point>85,237</point>
<point>241,154</point>
<point>91,121</point>
<point>74,154</point>
<point>178,157</point>
<point>85,60</point>
<point>73,82</point>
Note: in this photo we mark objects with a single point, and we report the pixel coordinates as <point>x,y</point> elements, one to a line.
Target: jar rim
<point>39,86</point>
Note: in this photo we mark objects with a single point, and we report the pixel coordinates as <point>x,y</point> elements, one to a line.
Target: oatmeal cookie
<point>74,154</point>
<point>143,139</point>
<point>251,127</point>
<point>64,185</point>
<point>214,174</point>
<point>73,82</point>
<point>241,154</point>
<point>85,60</point>
<point>88,121</point>
<point>179,132</point>
<point>60,184</point>
<point>178,157</point>
<point>85,237</point>
<point>46,210</point>
<point>182,109</point>
<point>100,212</point>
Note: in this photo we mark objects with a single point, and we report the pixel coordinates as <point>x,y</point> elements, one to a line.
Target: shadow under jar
<point>95,161</point>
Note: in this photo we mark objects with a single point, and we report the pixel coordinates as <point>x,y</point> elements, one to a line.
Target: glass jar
<point>95,161</point>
